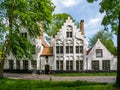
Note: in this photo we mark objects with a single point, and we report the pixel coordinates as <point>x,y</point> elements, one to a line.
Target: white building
<point>99,58</point>
<point>67,52</point>
<point>70,47</point>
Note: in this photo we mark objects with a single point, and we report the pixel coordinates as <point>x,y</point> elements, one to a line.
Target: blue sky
<point>82,10</point>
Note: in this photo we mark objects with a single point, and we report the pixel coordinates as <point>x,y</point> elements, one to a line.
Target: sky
<point>82,10</point>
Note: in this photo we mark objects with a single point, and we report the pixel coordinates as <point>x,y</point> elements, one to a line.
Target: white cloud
<point>93,25</point>
<point>66,3</point>
<point>70,3</point>
<point>62,5</point>
<point>94,22</point>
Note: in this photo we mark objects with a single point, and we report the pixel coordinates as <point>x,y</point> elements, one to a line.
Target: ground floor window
<point>95,65</point>
<point>11,64</point>
<point>106,65</point>
<point>34,64</point>
<point>17,64</point>
<point>79,65</point>
<point>69,65</point>
<point>25,64</point>
<point>59,65</point>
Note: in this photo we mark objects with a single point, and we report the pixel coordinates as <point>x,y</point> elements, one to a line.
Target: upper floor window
<point>69,31</point>
<point>24,34</point>
<point>99,53</point>
<point>79,49</point>
<point>69,49</point>
<point>59,49</point>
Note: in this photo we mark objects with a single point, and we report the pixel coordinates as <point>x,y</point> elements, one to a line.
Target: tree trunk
<point>1,68</point>
<point>118,54</point>
<point>4,56</point>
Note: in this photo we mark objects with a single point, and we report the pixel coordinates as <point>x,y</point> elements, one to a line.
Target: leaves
<point>57,22</point>
<point>111,8</point>
<point>23,15</point>
<point>106,39</point>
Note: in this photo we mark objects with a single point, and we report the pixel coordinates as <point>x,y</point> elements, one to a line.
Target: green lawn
<point>86,74</point>
<point>13,84</point>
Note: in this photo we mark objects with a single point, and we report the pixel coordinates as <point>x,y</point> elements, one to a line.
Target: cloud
<point>93,25</point>
<point>66,3</point>
<point>70,3</point>
<point>63,5</point>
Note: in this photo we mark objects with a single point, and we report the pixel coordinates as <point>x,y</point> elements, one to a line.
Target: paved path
<point>103,79</point>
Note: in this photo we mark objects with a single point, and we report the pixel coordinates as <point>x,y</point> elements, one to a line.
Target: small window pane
<point>99,53</point>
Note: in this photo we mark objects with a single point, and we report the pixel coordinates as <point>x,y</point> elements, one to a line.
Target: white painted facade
<point>66,59</point>
<point>69,52</point>
<point>104,56</point>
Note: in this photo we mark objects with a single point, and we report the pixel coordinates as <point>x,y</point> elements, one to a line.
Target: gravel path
<point>103,79</point>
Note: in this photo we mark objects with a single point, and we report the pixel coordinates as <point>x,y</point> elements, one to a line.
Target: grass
<point>86,74</point>
<point>13,84</point>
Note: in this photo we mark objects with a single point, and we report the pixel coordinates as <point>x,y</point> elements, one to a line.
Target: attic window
<point>24,34</point>
<point>69,31</point>
<point>99,53</point>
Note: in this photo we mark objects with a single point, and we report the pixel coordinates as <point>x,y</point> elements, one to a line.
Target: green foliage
<point>12,84</point>
<point>106,39</point>
<point>111,8</point>
<point>86,74</point>
<point>57,22</point>
<point>17,15</point>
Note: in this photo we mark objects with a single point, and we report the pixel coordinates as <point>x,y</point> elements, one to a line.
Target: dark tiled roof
<point>88,51</point>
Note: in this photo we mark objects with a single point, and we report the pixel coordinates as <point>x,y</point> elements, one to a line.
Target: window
<point>79,65</point>
<point>95,65</point>
<point>34,64</point>
<point>79,49</point>
<point>99,53</point>
<point>24,34</point>
<point>69,49</point>
<point>17,64</point>
<point>46,57</point>
<point>69,34</point>
<point>69,65</point>
<point>69,31</point>
<point>59,49</point>
<point>25,64</point>
<point>59,65</point>
<point>11,64</point>
<point>106,65</point>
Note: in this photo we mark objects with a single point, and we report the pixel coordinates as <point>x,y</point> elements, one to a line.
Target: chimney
<point>41,30</point>
<point>51,41</point>
<point>82,27</point>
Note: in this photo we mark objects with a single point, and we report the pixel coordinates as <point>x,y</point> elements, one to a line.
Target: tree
<point>57,22</point>
<point>111,8</point>
<point>106,39</point>
<point>17,15</point>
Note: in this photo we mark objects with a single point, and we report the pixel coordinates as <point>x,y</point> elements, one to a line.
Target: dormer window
<point>99,53</point>
<point>69,31</point>
<point>24,34</point>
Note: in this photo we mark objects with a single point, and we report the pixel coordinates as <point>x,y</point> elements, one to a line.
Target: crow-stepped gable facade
<point>70,47</point>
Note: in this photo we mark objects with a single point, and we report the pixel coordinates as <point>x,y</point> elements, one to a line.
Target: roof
<point>88,51</point>
<point>47,51</point>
